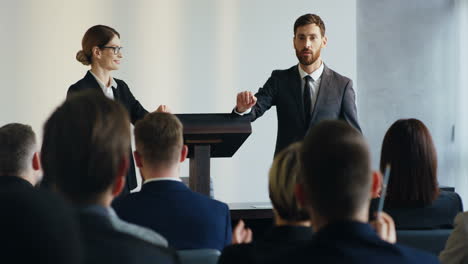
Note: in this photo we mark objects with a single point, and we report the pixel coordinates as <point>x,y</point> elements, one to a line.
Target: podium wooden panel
<point>211,136</point>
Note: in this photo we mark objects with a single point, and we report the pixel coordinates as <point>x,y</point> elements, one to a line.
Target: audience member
<point>85,158</point>
<point>292,226</point>
<point>187,219</point>
<point>38,227</point>
<point>455,249</point>
<point>20,165</point>
<point>413,197</point>
<point>336,188</point>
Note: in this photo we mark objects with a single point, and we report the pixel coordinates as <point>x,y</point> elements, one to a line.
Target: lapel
<point>323,92</point>
<point>295,80</point>
<point>90,82</point>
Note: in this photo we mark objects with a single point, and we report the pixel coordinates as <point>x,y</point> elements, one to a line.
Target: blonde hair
<point>283,176</point>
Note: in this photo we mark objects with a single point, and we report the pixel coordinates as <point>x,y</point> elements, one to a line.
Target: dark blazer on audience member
<point>336,100</point>
<point>123,95</point>
<point>104,244</point>
<point>353,242</point>
<point>188,220</point>
<point>278,242</point>
<point>440,214</point>
<point>8,183</point>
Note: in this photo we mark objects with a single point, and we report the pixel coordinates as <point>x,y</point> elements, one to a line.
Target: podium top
<point>225,133</point>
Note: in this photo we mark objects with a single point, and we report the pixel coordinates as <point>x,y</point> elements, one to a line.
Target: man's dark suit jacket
<point>103,244</point>
<point>9,183</point>
<point>123,95</point>
<point>335,100</point>
<point>438,215</point>
<point>353,242</point>
<point>188,220</point>
<point>277,243</point>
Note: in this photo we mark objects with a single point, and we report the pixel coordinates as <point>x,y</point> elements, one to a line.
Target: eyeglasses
<point>116,49</point>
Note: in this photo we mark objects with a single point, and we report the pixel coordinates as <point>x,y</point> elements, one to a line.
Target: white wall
<point>191,55</point>
<point>412,63</point>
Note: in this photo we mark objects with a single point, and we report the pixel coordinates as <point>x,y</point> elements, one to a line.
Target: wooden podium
<point>211,136</point>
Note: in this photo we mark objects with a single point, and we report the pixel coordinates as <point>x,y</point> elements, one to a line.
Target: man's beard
<point>306,60</point>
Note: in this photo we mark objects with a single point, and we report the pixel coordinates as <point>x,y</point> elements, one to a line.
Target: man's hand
<point>245,100</point>
<point>385,227</point>
<point>241,234</point>
<point>163,109</point>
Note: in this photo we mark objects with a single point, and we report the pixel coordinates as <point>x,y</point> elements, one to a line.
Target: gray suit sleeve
<point>455,248</point>
<point>348,107</point>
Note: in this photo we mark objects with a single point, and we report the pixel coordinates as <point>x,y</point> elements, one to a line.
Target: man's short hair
<point>310,19</point>
<point>336,170</point>
<point>283,176</point>
<point>17,146</point>
<point>159,139</point>
<point>85,140</point>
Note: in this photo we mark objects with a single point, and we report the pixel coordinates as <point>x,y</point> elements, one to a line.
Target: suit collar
<point>90,81</point>
<point>323,92</point>
<point>352,230</point>
<point>164,186</point>
<point>288,233</point>
<point>12,180</point>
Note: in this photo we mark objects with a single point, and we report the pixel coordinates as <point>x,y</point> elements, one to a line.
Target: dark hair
<point>408,148</point>
<point>283,176</point>
<point>336,170</point>
<point>96,36</point>
<point>17,144</point>
<point>309,19</point>
<point>85,139</point>
<point>159,138</point>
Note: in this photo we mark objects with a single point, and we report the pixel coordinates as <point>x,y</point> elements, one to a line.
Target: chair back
<point>432,241</point>
<point>199,256</point>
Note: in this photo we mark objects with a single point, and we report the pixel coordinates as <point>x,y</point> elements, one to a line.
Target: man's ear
<point>183,153</point>
<point>138,159</point>
<point>376,186</point>
<point>324,41</point>
<point>36,161</point>
<point>120,177</point>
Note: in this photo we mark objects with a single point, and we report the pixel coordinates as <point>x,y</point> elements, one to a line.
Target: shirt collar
<point>162,179</point>
<point>315,74</point>
<point>103,87</point>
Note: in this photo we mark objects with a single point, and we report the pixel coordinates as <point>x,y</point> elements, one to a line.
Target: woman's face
<point>107,59</point>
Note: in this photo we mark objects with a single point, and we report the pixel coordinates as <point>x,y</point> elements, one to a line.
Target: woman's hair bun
<point>81,57</point>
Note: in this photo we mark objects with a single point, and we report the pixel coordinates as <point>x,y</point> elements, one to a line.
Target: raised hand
<point>245,100</point>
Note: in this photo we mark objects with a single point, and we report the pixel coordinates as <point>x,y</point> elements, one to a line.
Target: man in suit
<point>187,219</point>
<point>305,93</point>
<point>20,166</point>
<point>85,157</point>
<point>336,187</point>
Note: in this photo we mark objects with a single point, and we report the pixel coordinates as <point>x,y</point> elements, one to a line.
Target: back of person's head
<point>95,36</point>
<point>337,174</point>
<point>38,227</point>
<point>410,151</point>
<point>17,148</point>
<point>283,176</point>
<point>159,139</point>
<point>86,141</point>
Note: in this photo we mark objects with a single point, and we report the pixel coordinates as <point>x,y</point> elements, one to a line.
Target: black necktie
<point>307,98</point>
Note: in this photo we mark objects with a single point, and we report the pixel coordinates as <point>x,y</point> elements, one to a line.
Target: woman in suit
<point>292,226</point>
<point>102,51</point>
<point>413,197</point>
